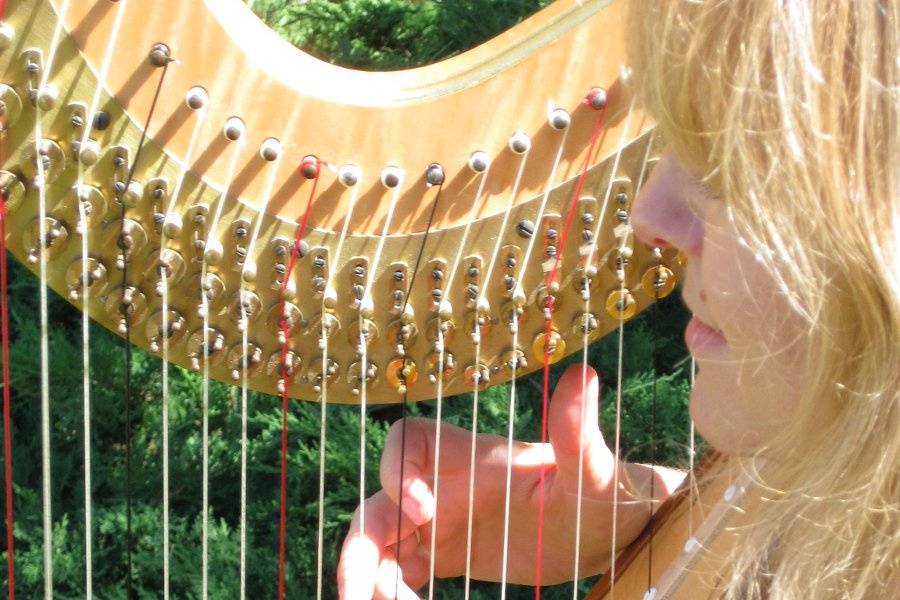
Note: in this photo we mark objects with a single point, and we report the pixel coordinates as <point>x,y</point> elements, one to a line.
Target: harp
<point>317,233</point>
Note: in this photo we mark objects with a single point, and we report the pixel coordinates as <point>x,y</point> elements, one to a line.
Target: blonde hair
<point>790,110</point>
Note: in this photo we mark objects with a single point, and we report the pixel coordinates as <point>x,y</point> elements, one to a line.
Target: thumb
<point>575,431</point>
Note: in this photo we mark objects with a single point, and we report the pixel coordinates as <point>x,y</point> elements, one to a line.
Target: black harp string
<point>126,317</point>
<point>654,354</point>
<point>409,289</point>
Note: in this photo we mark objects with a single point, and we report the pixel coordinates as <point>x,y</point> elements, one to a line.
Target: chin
<point>718,418</point>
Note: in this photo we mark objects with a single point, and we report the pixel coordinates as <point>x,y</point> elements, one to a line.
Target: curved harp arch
<point>443,119</point>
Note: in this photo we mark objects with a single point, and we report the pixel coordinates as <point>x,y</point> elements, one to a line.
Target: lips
<point>703,339</point>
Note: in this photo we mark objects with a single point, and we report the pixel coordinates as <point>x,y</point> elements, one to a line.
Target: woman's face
<point>744,337</point>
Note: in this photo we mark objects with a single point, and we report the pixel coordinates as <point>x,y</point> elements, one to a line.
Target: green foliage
<point>363,33</point>
<point>390,34</point>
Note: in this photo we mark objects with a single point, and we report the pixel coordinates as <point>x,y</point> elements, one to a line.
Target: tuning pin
<point>248,273</point>
<point>7,36</point>
<point>367,307</point>
<point>408,315</point>
<point>213,251</point>
<point>88,152</point>
<point>47,96</point>
<point>330,297</point>
<point>172,225</point>
<point>445,310</point>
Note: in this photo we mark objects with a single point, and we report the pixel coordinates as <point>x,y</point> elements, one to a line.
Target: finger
<point>390,584</point>
<point>363,550</point>
<point>574,429</point>
<point>408,449</point>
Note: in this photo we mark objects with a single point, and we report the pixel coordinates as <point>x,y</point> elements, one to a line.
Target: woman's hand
<point>368,566</point>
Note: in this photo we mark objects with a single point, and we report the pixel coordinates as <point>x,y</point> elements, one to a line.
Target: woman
<point>781,185</point>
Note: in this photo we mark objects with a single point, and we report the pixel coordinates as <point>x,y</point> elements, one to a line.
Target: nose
<point>662,216</point>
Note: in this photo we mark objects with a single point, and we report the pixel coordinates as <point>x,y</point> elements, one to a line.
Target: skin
<point>741,395</point>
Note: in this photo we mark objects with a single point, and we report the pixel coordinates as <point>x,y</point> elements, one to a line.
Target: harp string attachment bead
<point>234,129</point>
<point>520,143</point>
<point>479,161</point>
<point>596,98</point>
<point>271,149</point>
<point>560,119</point>
<point>160,55</point>
<point>434,174</point>
<point>310,166</point>
<point>349,175</point>
<point>196,98</point>
<point>391,177</point>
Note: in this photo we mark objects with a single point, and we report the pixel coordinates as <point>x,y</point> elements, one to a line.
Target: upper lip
<point>691,306</point>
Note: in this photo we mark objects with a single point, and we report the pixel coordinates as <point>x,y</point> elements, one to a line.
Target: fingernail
<point>421,510</point>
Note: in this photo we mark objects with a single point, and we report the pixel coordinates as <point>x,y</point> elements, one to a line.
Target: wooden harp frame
<point>219,191</point>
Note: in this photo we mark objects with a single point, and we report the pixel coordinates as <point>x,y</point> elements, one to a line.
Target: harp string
<point>323,409</point>
<point>164,283</point>
<point>44,346</point>
<point>550,281</point>
<point>126,310</point>
<point>619,369</point>
<point>514,362</point>
<point>84,230</point>
<point>248,272</point>
<point>409,289</point>
<point>86,392</point>
<point>7,419</point>
<point>692,442</point>
<point>285,283</point>
<point>204,389</point>
<point>366,304</point>
<point>573,204</point>
<point>457,261</point>
<point>476,335</point>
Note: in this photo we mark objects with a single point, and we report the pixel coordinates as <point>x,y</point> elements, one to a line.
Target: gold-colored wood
<point>682,553</point>
<point>410,119</point>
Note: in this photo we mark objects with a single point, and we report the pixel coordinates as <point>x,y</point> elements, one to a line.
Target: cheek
<point>742,399</point>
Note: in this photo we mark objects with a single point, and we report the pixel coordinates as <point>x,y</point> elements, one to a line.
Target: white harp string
<point>457,261</point>
<point>584,352</point>
<point>323,395</point>
<point>204,393</point>
<point>476,334</point>
<point>84,230</point>
<point>579,494</point>
<point>366,302</point>
<point>165,349</point>
<point>692,443</point>
<point>44,342</point>
<point>514,328</point>
<point>86,391</point>
<point>245,329</point>
<point>617,453</point>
